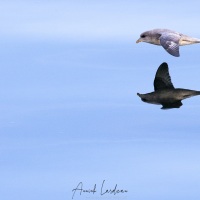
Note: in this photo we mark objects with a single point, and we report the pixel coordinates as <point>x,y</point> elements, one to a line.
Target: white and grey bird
<point>168,39</point>
<point>165,93</point>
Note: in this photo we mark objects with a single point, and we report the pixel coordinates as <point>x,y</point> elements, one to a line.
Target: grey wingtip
<point>174,54</point>
<point>177,55</point>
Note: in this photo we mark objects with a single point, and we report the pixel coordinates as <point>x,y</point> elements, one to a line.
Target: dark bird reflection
<point>165,93</point>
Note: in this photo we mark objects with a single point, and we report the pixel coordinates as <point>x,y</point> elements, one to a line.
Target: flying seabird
<point>169,40</point>
<point>165,93</point>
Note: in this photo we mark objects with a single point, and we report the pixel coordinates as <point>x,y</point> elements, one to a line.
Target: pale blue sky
<point>70,71</point>
<point>95,19</point>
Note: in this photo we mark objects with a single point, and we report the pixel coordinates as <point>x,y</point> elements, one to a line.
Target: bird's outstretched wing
<point>162,79</point>
<point>170,42</point>
<point>176,104</point>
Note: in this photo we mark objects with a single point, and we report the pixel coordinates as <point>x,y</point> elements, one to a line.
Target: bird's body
<point>168,39</point>
<point>165,94</point>
<point>168,97</point>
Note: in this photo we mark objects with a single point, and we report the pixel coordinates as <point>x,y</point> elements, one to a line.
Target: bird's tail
<point>186,40</point>
<point>196,40</point>
<point>191,93</point>
<point>197,92</point>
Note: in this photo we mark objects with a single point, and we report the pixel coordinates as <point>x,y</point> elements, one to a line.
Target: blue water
<point>69,113</point>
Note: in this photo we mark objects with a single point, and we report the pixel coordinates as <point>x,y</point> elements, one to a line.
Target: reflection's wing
<point>170,42</point>
<point>177,104</point>
<point>162,79</point>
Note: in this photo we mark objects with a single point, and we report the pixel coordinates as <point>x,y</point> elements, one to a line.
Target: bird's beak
<point>139,94</point>
<point>139,40</point>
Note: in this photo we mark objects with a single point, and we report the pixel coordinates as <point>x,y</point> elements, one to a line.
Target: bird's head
<point>145,37</point>
<point>149,37</point>
<point>142,96</point>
